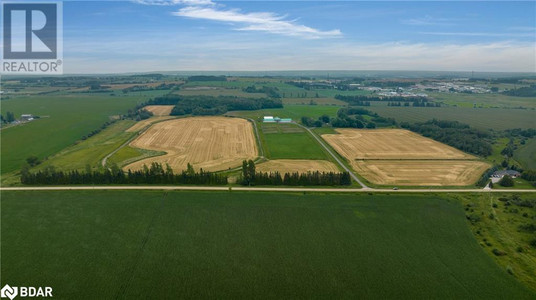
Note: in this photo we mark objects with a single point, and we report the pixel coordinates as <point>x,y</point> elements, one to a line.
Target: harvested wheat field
<point>389,144</point>
<point>159,110</point>
<point>401,157</point>
<point>297,165</point>
<point>211,143</point>
<point>144,123</point>
<point>421,172</point>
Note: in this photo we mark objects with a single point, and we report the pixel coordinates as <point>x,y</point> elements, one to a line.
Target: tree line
<point>527,91</point>
<point>350,117</point>
<point>250,176</point>
<point>155,174</point>
<point>10,117</point>
<point>208,105</point>
<point>455,134</point>
<point>272,92</point>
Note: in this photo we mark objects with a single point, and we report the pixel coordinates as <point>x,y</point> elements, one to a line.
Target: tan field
<point>421,172</point>
<point>296,165</point>
<point>401,157</point>
<point>144,123</point>
<point>211,143</point>
<point>159,110</point>
<point>389,144</point>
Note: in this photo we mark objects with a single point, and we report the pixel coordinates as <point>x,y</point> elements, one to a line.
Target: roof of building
<point>506,172</point>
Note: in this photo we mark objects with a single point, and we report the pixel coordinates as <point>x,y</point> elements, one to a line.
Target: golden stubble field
<point>401,157</point>
<point>389,144</point>
<point>211,143</point>
<point>297,165</point>
<point>159,110</point>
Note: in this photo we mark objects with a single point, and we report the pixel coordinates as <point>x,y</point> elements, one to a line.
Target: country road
<point>319,140</point>
<point>257,189</point>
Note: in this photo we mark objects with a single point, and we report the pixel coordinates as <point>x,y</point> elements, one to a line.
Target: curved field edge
<point>161,244</point>
<point>211,143</point>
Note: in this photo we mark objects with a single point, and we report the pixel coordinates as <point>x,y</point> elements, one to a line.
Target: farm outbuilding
<point>268,119</point>
<point>26,117</point>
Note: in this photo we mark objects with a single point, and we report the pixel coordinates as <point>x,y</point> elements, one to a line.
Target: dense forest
<point>271,92</point>
<point>155,174</point>
<point>208,105</point>
<point>350,117</point>
<point>455,134</point>
<point>250,177</point>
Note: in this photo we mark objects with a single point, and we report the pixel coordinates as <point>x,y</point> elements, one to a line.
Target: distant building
<point>271,119</point>
<point>511,173</point>
<point>26,117</point>
<point>268,119</point>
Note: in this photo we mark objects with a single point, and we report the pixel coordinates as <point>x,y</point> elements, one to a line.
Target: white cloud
<point>193,52</point>
<point>256,21</point>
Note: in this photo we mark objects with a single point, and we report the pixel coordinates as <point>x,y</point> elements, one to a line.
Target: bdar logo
<point>25,292</point>
<point>9,292</point>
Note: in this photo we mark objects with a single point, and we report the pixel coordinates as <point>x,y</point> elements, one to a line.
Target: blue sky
<point>174,35</point>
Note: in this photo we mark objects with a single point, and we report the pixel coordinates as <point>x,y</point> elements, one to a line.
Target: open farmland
<point>64,120</point>
<point>390,144</point>
<point>481,118</point>
<point>421,172</point>
<point>144,123</point>
<point>159,110</point>
<point>211,143</point>
<point>215,92</point>
<point>297,165</point>
<point>163,245</point>
<point>401,157</point>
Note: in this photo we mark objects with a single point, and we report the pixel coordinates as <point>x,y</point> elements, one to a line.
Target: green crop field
<point>154,244</point>
<point>526,154</point>
<point>65,119</point>
<point>483,118</point>
<point>292,146</point>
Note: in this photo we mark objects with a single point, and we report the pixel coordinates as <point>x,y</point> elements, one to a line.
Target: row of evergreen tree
<point>155,174</point>
<point>250,177</point>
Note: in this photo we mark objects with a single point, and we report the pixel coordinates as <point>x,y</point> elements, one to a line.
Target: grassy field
<point>93,150</point>
<point>526,154</point>
<point>495,220</point>
<point>483,118</point>
<point>65,119</point>
<point>142,244</point>
<point>128,155</point>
